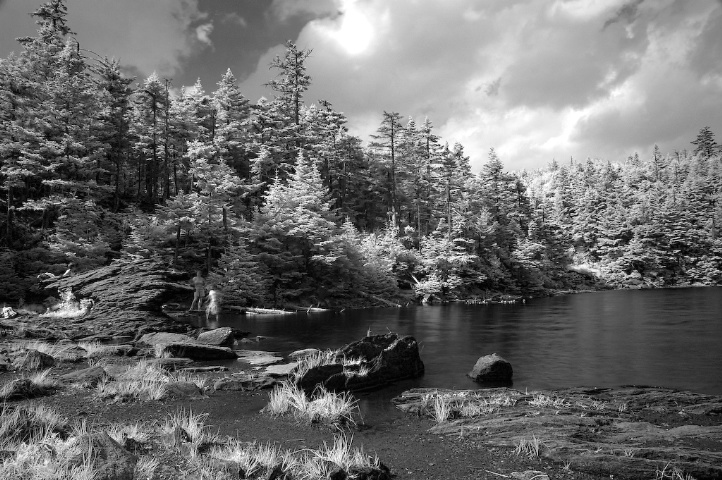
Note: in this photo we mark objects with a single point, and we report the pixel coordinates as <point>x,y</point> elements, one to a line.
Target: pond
<point>670,338</point>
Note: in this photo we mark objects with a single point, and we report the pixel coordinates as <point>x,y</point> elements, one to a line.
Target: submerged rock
<point>492,369</point>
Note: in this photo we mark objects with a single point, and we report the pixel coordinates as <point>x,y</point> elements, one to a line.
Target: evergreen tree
<point>386,141</point>
<point>705,145</point>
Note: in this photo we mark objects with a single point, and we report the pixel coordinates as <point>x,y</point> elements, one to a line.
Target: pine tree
<point>705,145</point>
<point>286,108</point>
<point>232,115</point>
<point>386,141</point>
<point>150,129</point>
<point>114,123</point>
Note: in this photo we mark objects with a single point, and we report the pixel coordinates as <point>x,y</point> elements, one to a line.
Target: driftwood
<point>267,311</point>
<point>382,300</point>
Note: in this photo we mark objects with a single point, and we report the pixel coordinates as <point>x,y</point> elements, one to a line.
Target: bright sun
<point>355,32</point>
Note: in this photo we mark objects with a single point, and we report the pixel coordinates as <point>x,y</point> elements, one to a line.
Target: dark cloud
<point>561,64</point>
<point>627,13</point>
<point>705,57</point>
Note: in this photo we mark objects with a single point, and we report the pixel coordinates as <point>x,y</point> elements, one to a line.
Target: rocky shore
<point>150,391</point>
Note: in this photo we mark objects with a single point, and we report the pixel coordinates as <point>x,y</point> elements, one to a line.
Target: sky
<point>537,80</point>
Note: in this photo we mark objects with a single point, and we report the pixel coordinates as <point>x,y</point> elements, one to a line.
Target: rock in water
<point>380,360</point>
<point>492,369</point>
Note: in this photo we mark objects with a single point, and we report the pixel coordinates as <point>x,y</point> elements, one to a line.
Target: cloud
<point>535,79</point>
<point>146,36</point>
<point>627,13</point>
<point>203,33</point>
<point>234,17</point>
<point>285,9</point>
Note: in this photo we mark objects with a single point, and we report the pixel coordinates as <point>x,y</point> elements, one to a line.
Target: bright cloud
<point>533,79</point>
<point>203,33</point>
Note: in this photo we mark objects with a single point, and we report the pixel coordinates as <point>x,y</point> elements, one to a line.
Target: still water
<point>669,338</point>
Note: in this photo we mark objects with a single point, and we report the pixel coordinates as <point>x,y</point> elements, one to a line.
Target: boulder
<point>33,360</point>
<point>196,351</point>
<point>110,460</point>
<point>492,369</point>
<point>222,337</point>
<point>381,360</point>
<point>90,376</point>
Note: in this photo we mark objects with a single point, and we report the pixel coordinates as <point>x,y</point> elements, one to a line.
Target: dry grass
<point>541,400</point>
<point>35,385</point>
<point>529,447</point>
<point>323,406</point>
<point>443,406</point>
<point>671,472</point>
<point>313,360</point>
<point>60,352</point>
<point>144,381</point>
<point>254,459</point>
<point>43,446</point>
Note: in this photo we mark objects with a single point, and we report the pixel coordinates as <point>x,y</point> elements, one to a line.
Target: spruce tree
<point>705,145</point>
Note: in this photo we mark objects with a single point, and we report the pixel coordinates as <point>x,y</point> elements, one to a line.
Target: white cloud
<point>203,33</point>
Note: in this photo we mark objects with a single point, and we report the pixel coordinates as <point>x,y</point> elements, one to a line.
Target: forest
<point>280,205</point>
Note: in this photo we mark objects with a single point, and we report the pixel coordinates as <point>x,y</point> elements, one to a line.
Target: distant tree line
<point>281,205</point>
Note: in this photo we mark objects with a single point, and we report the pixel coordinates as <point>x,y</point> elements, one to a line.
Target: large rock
<point>222,337</point>
<point>162,338</point>
<point>127,295</point>
<point>492,369</point>
<point>110,460</point>
<point>33,360</point>
<point>379,360</point>
<point>196,351</point>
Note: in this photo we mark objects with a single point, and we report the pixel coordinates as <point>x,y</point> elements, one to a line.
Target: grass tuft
<point>529,447</point>
<point>323,406</point>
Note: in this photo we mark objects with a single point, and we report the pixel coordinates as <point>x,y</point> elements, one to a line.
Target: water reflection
<point>655,337</point>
